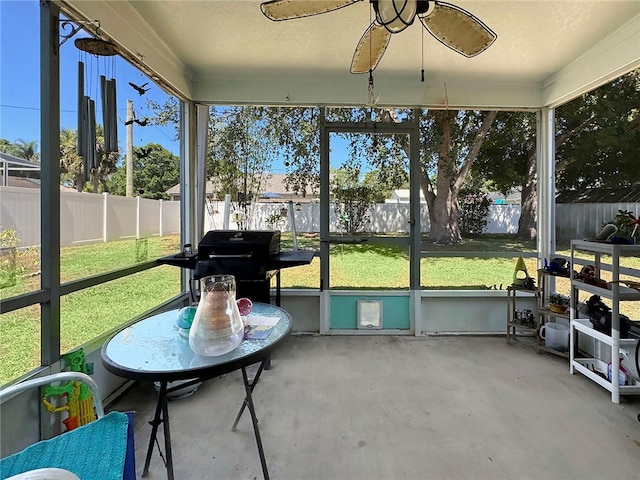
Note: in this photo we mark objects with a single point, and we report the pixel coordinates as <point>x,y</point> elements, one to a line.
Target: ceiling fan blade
<point>370,49</point>
<point>288,9</point>
<point>458,29</point>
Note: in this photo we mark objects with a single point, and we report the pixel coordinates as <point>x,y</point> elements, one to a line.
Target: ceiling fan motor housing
<point>396,15</point>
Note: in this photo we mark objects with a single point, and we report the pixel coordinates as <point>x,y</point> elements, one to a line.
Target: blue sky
<point>20,85</point>
<point>20,82</point>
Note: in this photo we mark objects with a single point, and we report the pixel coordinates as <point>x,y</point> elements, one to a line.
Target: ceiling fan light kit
<point>451,25</point>
<point>396,15</point>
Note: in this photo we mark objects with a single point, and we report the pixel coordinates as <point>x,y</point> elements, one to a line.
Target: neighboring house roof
<point>401,195</point>
<point>274,184</point>
<point>24,182</point>
<point>600,195</point>
<point>513,198</point>
<point>15,163</point>
<point>17,170</point>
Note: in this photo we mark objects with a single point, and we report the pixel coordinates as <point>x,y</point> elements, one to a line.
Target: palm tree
<point>106,162</point>
<point>27,150</point>
<point>70,161</point>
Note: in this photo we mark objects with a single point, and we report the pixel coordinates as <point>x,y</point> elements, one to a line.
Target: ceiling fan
<point>454,27</point>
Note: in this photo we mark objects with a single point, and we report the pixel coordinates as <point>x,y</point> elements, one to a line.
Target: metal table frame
<point>123,356</point>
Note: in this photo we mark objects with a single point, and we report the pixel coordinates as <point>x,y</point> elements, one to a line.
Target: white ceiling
<point>227,52</point>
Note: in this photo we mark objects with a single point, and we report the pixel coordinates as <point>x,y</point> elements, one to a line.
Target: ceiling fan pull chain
<point>422,54</point>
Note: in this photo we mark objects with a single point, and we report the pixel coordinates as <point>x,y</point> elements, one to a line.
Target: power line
<point>75,111</point>
<point>18,107</point>
<point>30,108</point>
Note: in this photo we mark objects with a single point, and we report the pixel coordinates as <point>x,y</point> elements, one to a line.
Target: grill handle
<point>230,255</point>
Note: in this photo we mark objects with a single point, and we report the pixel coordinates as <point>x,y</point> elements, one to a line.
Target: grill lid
<point>253,243</point>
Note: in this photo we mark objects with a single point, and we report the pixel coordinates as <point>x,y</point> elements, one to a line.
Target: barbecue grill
<point>245,254</point>
<point>252,256</point>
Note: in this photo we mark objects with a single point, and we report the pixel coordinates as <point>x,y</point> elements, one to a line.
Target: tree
<point>378,181</point>
<point>72,165</point>
<point>240,153</point>
<point>474,211</point>
<point>27,150</point>
<point>107,164</point>
<point>597,143</point>
<point>600,134</point>
<point>450,143</point>
<point>70,162</point>
<point>21,149</point>
<point>294,131</point>
<point>155,170</point>
<point>352,199</point>
<point>508,160</point>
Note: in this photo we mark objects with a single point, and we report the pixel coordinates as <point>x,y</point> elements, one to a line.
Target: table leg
<point>161,416</point>
<point>249,401</point>
<point>167,439</point>
<point>252,385</point>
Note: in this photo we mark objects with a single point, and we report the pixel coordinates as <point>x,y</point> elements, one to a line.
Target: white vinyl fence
<point>585,220</point>
<point>384,217</point>
<point>88,217</point>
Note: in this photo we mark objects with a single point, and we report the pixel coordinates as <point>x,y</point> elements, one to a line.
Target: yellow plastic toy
<point>79,399</point>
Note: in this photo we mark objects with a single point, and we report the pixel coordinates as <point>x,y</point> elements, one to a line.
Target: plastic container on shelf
<point>623,376</point>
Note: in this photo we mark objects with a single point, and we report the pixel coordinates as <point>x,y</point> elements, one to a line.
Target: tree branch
<point>475,148</point>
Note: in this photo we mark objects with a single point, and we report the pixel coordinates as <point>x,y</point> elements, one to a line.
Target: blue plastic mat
<point>95,451</point>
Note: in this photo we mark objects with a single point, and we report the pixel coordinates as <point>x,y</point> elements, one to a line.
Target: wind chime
<point>87,147</point>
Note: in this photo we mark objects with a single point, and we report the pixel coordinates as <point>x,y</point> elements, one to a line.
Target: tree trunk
<point>444,213</point>
<point>95,180</point>
<point>529,200</point>
<point>527,225</point>
<point>444,208</point>
<point>78,179</point>
<point>442,202</point>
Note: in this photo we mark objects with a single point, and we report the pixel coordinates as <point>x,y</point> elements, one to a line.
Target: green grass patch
<point>381,263</point>
<point>89,313</point>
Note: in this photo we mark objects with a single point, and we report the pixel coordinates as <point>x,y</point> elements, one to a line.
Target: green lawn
<point>375,265</point>
<point>88,313</point>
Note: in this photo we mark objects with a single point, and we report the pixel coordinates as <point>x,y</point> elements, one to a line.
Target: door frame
<point>411,128</point>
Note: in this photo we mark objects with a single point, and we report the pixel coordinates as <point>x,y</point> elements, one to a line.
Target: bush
<point>474,211</point>
<point>352,208</point>
<point>8,256</point>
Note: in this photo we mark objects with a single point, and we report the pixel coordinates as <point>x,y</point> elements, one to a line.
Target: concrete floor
<point>372,407</point>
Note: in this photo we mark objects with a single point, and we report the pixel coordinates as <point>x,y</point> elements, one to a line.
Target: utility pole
<point>129,159</point>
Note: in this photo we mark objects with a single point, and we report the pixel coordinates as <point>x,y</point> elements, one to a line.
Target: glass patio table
<point>153,350</point>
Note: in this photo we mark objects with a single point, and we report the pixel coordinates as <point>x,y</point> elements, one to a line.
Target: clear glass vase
<point>217,326</point>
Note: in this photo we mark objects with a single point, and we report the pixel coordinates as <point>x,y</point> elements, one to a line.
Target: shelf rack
<point>545,312</point>
<point>592,367</point>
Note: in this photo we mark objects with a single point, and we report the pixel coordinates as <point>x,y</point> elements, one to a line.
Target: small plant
<point>273,219</point>
<point>627,224</point>
<point>558,299</point>
<point>8,257</point>
<point>558,303</point>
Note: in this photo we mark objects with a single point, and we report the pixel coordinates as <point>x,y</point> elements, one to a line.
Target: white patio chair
<point>102,449</point>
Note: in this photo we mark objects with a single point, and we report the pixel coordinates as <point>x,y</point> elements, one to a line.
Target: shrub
<point>352,208</point>
<point>8,256</point>
<point>474,211</point>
